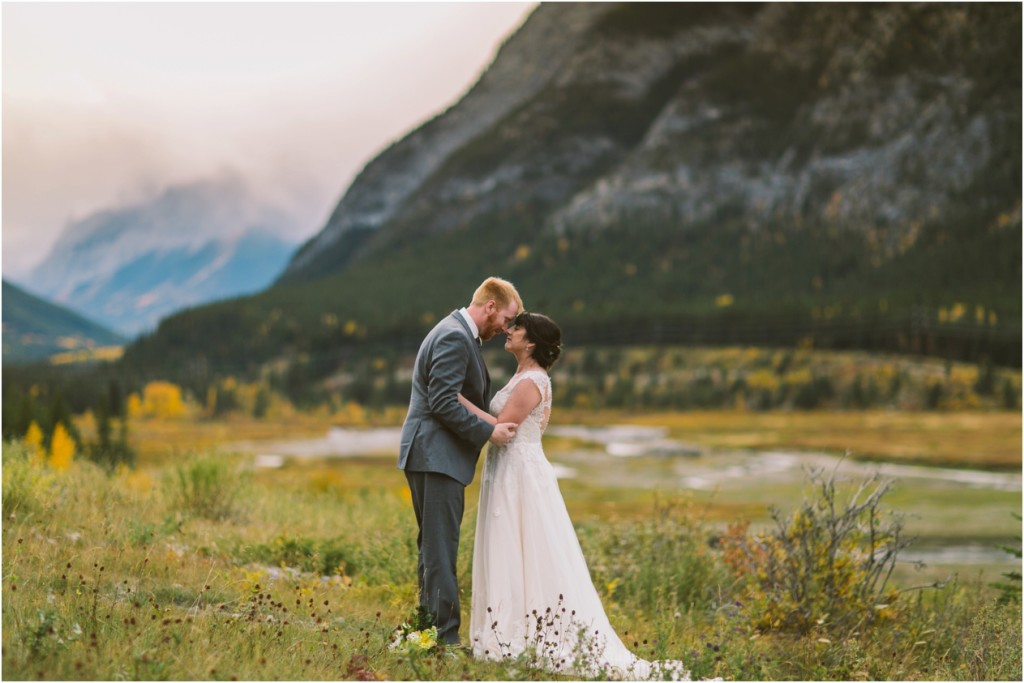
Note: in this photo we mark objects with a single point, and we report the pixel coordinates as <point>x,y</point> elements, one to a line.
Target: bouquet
<point>417,635</point>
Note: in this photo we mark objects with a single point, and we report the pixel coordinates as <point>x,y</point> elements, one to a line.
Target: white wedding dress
<point>532,591</point>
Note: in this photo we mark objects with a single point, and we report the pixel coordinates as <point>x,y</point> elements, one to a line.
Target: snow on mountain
<point>127,267</point>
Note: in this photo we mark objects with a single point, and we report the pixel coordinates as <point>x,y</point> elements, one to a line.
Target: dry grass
<point>114,577</point>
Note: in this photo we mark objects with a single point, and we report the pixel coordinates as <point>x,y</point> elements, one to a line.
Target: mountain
<point>838,175</point>
<point>35,329</point>
<point>853,118</point>
<point>130,266</point>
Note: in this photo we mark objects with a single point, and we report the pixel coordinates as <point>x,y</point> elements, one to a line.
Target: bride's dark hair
<point>544,333</point>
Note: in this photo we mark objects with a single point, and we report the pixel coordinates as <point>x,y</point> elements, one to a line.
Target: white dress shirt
<point>472,325</point>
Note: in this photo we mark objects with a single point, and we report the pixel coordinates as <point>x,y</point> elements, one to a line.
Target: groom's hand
<point>503,433</point>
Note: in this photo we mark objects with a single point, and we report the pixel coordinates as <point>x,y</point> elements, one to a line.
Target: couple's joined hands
<point>503,433</point>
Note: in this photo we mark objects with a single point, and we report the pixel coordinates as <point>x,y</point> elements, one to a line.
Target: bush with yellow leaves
<point>823,568</point>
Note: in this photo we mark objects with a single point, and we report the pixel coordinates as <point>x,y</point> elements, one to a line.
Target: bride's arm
<point>523,400</point>
<point>473,408</point>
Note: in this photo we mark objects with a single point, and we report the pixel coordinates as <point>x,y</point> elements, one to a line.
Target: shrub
<point>1010,592</point>
<point>27,482</point>
<point>824,567</point>
<point>206,487</point>
<point>326,557</point>
<point>662,563</point>
<point>989,649</point>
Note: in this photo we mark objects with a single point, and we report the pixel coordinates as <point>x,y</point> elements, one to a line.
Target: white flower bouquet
<point>407,640</point>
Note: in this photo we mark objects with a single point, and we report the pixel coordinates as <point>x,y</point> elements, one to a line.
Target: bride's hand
<point>503,433</point>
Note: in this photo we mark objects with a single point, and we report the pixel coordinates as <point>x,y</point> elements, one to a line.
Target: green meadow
<point>199,565</point>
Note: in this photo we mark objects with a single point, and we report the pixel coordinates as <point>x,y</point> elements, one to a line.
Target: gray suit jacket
<point>439,435</point>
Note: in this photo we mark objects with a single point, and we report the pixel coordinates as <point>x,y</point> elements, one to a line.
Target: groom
<point>441,440</point>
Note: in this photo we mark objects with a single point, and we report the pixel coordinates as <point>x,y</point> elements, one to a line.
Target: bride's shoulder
<point>539,377</point>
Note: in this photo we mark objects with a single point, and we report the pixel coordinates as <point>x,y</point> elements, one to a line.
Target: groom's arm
<point>445,380</point>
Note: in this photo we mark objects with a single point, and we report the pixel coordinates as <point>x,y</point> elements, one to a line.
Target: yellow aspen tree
<point>163,399</point>
<point>34,441</point>
<point>62,448</point>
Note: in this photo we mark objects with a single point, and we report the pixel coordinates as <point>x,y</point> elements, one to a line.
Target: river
<point>645,457</point>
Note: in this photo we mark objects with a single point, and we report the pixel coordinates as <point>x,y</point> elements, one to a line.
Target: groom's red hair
<point>502,292</point>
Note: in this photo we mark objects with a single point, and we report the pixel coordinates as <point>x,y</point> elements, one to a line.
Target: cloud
<point>106,104</point>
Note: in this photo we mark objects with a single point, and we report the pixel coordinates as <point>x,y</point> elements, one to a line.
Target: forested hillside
<point>36,329</point>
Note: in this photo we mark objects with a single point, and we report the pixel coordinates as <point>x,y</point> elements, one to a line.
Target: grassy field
<point>983,440</point>
<point>612,488</point>
<point>200,566</point>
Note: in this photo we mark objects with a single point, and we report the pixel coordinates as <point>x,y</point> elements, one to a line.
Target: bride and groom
<point>531,586</point>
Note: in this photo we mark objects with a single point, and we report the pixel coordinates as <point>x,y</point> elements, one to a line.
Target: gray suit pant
<point>438,501</point>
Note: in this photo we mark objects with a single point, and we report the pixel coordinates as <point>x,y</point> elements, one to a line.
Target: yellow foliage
<point>957,312</point>
<point>324,481</point>
<point>799,377</point>
<point>352,414</point>
<point>162,399</point>
<point>105,353</point>
<point>252,581</point>
<point>582,400</point>
<point>62,448</point>
<point>34,442</point>
<point>405,494</point>
<point>765,380</point>
<point>136,480</point>
<point>134,406</point>
<point>724,300</point>
<point>522,252</point>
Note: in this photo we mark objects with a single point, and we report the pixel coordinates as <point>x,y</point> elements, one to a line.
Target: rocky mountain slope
<point>128,267</point>
<point>871,118</point>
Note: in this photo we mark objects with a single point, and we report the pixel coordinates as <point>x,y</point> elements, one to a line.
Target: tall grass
<point>112,576</point>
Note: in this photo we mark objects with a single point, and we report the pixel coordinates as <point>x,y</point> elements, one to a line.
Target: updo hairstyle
<point>544,333</point>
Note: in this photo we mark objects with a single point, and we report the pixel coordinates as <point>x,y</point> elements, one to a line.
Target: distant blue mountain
<point>34,329</point>
<point>129,267</point>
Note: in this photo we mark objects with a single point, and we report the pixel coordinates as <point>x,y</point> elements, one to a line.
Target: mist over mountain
<point>129,266</point>
<point>835,175</point>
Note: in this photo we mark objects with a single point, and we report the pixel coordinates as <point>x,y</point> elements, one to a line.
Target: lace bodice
<point>532,428</point>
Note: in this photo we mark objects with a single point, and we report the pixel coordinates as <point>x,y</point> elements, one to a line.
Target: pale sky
<point>108,103</point>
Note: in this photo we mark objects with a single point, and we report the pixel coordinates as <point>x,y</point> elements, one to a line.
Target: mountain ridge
<point>838,176</point>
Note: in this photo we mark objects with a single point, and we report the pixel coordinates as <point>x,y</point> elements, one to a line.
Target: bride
<point>532,591</point>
